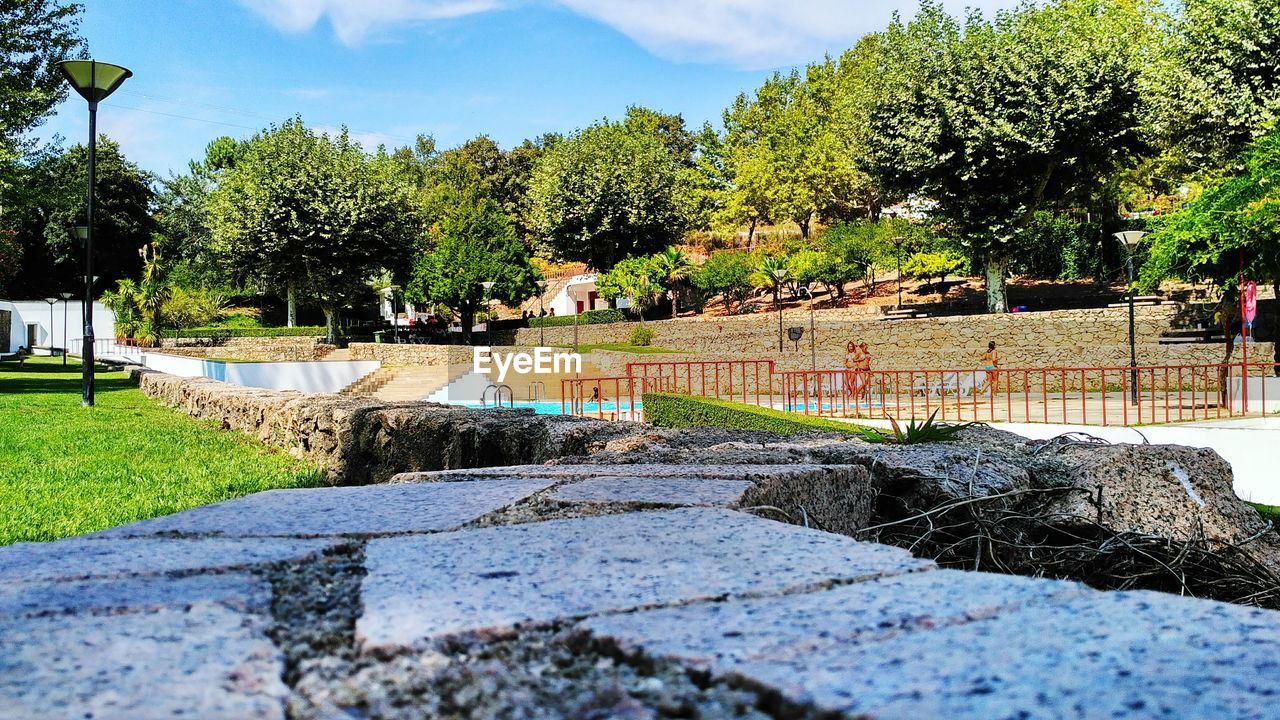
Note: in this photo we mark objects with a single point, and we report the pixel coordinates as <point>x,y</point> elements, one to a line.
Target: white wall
<point>312,377</point>
<point>36,312</point>
<point>566,301</point>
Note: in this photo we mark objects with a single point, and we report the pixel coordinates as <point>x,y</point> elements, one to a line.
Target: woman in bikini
<point>991,364</point>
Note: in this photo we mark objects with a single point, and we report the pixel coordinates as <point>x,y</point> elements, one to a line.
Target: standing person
<point>991,364</point>
<point>864,373</point>
<point>852,361</point>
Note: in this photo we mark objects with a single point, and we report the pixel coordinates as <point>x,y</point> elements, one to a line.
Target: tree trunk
<point>997,299</point>
<point>675,300</point>
<point>467,318</point>
<point>804,226</point>
<point>292,298</point>
<point>330,322</point>
<point>751,234</point>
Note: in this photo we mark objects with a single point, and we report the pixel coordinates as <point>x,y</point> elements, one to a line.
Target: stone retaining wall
<point>361,440</point>
<point>1062,338</point>
<point>406,354</point>
<point>255,349</point>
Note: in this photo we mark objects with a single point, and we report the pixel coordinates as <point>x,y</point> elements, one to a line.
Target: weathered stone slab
<point>709,472</point>
<point>205,662</point>
<point>719,636</point>
<point>350,511</point>
<point>656,491</point>
<point>135,594</point>
<point>1113,655</point>
<point>424,587</point>
<point>80,559</point>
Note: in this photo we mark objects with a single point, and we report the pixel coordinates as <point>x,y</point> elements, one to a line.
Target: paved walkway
<point>202,614</point>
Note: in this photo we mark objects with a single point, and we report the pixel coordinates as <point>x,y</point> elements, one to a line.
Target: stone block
<point>1113,655</point>
<point>346,511</point>
<point>719,636</point>
<point>653,491</point>
<point>432,586</point>
<point>133,594</point>
<point>206,662</point>
<point>84,558</point>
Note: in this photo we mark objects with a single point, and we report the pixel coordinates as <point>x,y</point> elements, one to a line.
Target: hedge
<point>590,317</point>
<point>682,411</point>
<point>230,332</point>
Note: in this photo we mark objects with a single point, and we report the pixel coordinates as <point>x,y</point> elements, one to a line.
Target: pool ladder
<point>497,395</point>
<point>537,391</point>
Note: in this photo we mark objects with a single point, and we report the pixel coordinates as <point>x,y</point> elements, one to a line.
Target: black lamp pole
<point>94,81</point>
<point>1130,240</point>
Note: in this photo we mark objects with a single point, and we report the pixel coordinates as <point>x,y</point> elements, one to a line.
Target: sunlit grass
<point>66,470</point>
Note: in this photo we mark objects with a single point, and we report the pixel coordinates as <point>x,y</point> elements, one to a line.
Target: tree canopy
<point>34,36</point>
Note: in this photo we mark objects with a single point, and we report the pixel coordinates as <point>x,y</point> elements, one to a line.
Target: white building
<point>577,296</point>
<point>30,324</point>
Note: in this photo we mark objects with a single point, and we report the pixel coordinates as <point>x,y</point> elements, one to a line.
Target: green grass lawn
<point>66,470</point>
<point>1271,512</point>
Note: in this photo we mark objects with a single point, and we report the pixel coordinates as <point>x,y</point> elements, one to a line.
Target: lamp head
<point>92,79</point>
<point>51,301</point>
<point>81,232</point>
<point>779,274</point>
<point>66,295</point>
<point>487,285</point>
<point>542,284</point>
<point>1131,238</point>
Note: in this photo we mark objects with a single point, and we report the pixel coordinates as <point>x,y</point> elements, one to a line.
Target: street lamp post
<point>395,320</point>
<point>1130,239</point>
<point>52,301</point>
<point>65,297</point>
<point>94,81</point>
<point>542,329</point>
<point>778,275</point>
<point>488,309</point>
<point>813,343</point>
<point>897,251</point>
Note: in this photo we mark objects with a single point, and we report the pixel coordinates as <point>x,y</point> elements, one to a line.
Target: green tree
<point>470,243</point>
<point>1233,222</point>
<point>47,201</point>
<point>997,119</point>
<point>930,265</point>
<point>675,268</point>
<point>860,249</point>
<point>773,273</point>
<point>638,279</point>
<point>1214,85</point>
<point>727,274</point>
<point>310,212</point>
<point>10,259</point>
<point>34,36</point>
<point>607,193</point>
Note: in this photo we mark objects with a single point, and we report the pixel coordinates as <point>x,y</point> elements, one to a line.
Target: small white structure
<point>577,296</point>
<point>30,325</point>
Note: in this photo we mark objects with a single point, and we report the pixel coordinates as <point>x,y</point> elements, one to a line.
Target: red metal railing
<point>610,398</point>
<point>748,381</point>
<point>1117,395</point>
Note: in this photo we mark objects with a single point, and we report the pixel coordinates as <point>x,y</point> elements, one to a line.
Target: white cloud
<point>750,34</point>
<point>355,20</point>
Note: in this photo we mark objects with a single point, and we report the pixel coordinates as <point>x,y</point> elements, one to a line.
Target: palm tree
<point>675,267</point>
<point>642,292</point>
<point>772,273</point>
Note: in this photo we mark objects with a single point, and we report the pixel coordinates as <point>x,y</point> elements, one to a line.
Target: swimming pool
<point>553,407</point>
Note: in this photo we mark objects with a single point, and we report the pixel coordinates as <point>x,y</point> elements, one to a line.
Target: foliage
<point>917,433</point>
<point>471,243</point>
<point>609,192</point>
<point>1214,85</point>
<point>10,259</point>
<point>1234,220</point>
<point>590,317</point>
<point>638,279</point>
<point>675,268</point>
<point>220,332</point>
<point>772,273</point>
<point>929,265</point>
<point>682,411</point>
<point>727,274</point>
<point>48,199</point>
<point>36,35</point>
<point>1057,246</point>
<point>192,307</point>
<point>306,211</point>
<point>69,471</point>
<point>123,303</point>
<point>642,336</point>
<point>996,119</point>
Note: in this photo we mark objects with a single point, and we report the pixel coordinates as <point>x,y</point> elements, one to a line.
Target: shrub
<point>590,317</point>
<point>681,411</point>
<point>641,336</point>
<point>230,332</point>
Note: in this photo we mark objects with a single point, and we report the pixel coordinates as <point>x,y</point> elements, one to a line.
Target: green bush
<point>681,411</point>
<point>642,336</point>
<point>590,317</point>
<point>263,332</point>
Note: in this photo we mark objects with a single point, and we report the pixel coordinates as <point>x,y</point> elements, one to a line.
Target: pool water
<point>553,407</point>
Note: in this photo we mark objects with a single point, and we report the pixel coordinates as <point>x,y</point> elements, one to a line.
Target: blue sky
<point>390,69</point>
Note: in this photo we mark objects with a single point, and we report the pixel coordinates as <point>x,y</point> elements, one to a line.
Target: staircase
<point>370,384</point>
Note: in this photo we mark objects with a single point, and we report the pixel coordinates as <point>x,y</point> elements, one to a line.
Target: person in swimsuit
<point>990,363</point>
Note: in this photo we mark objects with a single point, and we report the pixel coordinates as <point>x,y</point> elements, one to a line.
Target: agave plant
<point>925,432</point>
